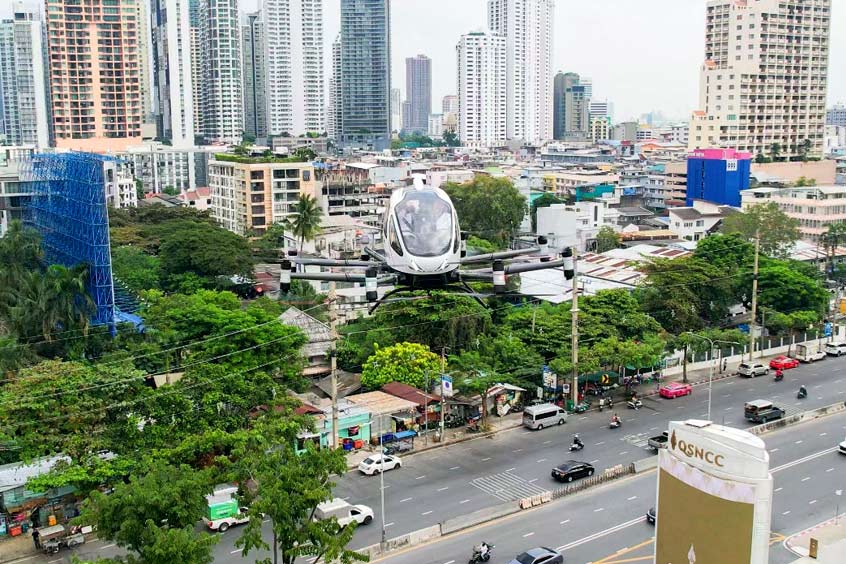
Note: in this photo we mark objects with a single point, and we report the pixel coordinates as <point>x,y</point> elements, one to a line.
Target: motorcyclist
<point>615,420</point>
<point>779,374</point>
<point>803,391</point>
<point>577,442</point>
<point>481,551</point>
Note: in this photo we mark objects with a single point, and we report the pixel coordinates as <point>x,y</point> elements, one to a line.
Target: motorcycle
<point>478,557</point>
<point>605,402</point>
<point>577,446</point>
<point>615,424</point>
<point>582,407</point>
<point>634,403</point>
<point>779,376</point>
<point>803,393</point>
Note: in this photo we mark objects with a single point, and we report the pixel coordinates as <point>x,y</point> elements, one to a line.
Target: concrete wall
<point>823,172</point>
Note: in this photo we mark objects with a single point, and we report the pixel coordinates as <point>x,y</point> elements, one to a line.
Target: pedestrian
<point>725,364</point>
<point>35,539</point>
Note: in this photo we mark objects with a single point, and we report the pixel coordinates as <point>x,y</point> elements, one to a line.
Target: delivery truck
<point>344,512</point>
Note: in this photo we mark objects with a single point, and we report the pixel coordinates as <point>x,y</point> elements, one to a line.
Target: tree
<point>409,363</point>
<point>288,489</point>
<point>697,343</point>
<point>778,232</point>
<point>488,207</point>
<point>481,246</point>
<point>543,201</point>
<point>775,151</point>
<point>135,268</point>
<point>154,515</point>
<point>804,149</point>
<point>308,217</point>
<point>729,252</point>
<point>834,236</point>
<point>305,154</point>
<point>203,250</point>
<point>607,239</point>
<point>784,288</point>
<point>760,158</point>
<point>451,139</point>
<point>171,190</point>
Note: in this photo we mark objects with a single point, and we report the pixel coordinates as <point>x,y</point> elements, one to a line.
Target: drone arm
<point>375,254</point>
<point>328,276</point>
<point>529,267</point>
<point>476,275</point>
<point>489,257</point>
<point>333,262</point>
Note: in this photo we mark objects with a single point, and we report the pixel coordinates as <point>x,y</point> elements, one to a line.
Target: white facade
<point>574,225</point>
<point>23,81</point>
<point>835,139</point>
<point>333,119</point>
<point>294,59</point>
<point>222,89</point>
<point>599,108</point>
<point>396,109</point>
<point>436,126</point>
<point>765,76</point>
<point>173,83</point>
<point>159,166</point>
<point>482,89</point>
<point>697,222</point>
<point>528,28</point>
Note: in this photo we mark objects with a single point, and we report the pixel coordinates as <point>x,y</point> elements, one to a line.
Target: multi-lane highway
<point>456,480</point>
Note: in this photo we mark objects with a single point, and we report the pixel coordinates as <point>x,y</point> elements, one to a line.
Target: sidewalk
<point>12,548</point>
<point>831,536</point>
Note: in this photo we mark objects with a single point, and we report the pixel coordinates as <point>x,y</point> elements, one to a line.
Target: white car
<point>376,463</point>
<point>842,447</point>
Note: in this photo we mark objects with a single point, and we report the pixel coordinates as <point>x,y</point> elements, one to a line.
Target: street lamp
<point>710,364</point>
<point>382,478</point>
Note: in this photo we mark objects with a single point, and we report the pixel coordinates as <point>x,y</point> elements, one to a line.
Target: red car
<point>675,389</point>
<point>783,362</point>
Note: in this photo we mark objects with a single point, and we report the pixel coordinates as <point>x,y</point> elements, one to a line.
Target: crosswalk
<point>507,487</point>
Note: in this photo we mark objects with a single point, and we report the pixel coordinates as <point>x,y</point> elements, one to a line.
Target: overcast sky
<point>641,54</point>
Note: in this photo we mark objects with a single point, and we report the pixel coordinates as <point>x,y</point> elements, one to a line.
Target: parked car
<point>805,353</point>
<point>658,441</point>
<point>376,463</point>
<point>752,369</point>
<point>835,349</point>
<point>842,448</point>
<point>762,411</point>
<point>540,555</point>
<point>651,515</point>
<point>783,362</point>
<point>674,390</point>
<point>571,470</point>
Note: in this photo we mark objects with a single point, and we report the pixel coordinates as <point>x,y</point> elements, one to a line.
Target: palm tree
<point>51,301</point>
<point>833,238</point>
<point>308,216</point>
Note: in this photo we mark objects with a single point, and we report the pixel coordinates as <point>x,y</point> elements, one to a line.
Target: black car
<point>540,555</point>
<point>651,515</point>
<point>571,470</point>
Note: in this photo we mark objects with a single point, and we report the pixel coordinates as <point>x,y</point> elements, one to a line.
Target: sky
<point>642,55</point>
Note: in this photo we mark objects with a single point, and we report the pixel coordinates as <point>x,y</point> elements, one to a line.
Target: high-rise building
<point>418,91</point>
<point>406,114</point>
<point>142,16</point>
<point>561,83</point>
<point>602,108</point>
<point>222,89</point>
<point>172,79</point>
<point>396,109</point>
<point>587,82</point>
<point>196,64</point>
<point>482,89</point>
<point>255,76</point>
<point>95,76</point>
<point>764,81</point>
<point>836,115</point>
<point>527,27</point>
<point>366,74</point>
<point>600,128</point>
<point>333,119</point>
<point>449,104</point>
<point>24,118</point>
<point>294,60</point>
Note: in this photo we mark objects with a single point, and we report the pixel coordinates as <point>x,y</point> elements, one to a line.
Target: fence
<point>609,474</point>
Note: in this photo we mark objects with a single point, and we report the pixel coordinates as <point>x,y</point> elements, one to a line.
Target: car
<point>842,448</point>
<point>835,349</point>
<point>571,470</point>
<point>783,362</point>
<point>674,390</point>
<point>651,515</point>
<point>376,463</point>
<point>540,555</point>
<point>224,523</point>
<point>752,369</point>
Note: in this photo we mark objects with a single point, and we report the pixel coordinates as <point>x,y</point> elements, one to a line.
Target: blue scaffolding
<point>68,207</point>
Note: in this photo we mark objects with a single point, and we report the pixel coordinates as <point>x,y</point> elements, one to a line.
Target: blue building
<point>717,176</point>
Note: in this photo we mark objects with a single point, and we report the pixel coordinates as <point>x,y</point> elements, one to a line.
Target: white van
<point>543,415</point>
<point>344,512</point>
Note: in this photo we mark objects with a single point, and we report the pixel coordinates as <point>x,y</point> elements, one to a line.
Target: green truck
<point>223,509</point>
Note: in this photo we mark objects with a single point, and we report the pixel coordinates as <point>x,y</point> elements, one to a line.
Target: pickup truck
<point>659,442</point>
<point>762,411</point>
<point>223,524</point>
<point>344,512</point>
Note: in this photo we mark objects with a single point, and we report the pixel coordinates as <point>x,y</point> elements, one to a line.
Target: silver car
<point>540,555</point>
<point>752,369</point>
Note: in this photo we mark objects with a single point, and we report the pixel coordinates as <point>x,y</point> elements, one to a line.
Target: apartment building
<point>255,76</point>
<point>482,88</point>
<point>814,207</point>
<point>95,74</point>
<point>699,220</point>
<point>248,195</point>
<point>765,77</point>
<point>418,90</point>
<point>222,87</point>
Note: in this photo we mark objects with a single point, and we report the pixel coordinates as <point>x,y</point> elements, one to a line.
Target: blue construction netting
<point>68,207</point>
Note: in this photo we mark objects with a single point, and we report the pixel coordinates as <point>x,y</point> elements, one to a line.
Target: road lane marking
<point>388,524</point>
<point>803,460</point>
<point>564,522</point>
<point>442,489</point>
<point>799,442</point>
<point>778,489</point>
<point>600,534</point>
<point>486,459</point>
<point>406,499</point>
<point>594,461</point>
<point>236,551</point>
<point>450,562</point>
<point>786,512</point>
<point>528,534</point>
<point>632,498</point>
<point>541,460</point>
<point>598,510</point>
<point>420,477</point>
<point>518,450</point>
<point>511,469</point>
<point>830,470</point>
<point>547,442</point>
<point>456,468</point>
<point>823,434</point>
<point>108,546</point>
<point>774,449</point>
<point>600,443</point>
<point>463,501</point>
<point>813,501</point>
<point>623,453</point>
<point>805,479</point>
<point>426,513</point>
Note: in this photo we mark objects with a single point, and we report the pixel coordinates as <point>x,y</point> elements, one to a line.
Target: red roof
<point>409,393</point>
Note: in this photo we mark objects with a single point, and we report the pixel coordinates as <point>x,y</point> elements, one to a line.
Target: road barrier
<point>608,475</point>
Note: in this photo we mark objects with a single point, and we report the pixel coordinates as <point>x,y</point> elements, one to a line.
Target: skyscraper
<point>23,88</point>
<point>562,82</point>
<point>418,91</point>
<point>396,109</point>
<point>482,90</point>
<point>764,81</point>
<point>222,85</point>
<point>571,109</point>
<point>196,64</point>
<point>333,120</point>
<point>366,74</point>
<point>142,16</point>
<point>294,59</point>
<point>95,76</point>
<point>255,77</point>
<point>527,27</point>
<point>172,79</point>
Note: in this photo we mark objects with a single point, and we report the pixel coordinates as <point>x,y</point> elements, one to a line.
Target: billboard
<point>714,496</point>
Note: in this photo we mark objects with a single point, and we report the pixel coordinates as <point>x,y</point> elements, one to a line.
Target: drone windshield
<point>426,224</point>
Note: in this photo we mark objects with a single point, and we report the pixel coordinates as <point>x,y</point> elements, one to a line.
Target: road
<point>606,525</point>
<point>456,480</point>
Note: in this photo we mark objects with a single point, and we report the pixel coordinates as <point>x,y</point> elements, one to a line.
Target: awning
<point>603,377</point>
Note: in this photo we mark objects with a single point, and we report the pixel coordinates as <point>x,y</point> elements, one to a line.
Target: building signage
<point>691,450</point>
<point>731,165</point>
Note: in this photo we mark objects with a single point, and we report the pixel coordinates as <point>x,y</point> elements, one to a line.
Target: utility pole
<point>754,295</point>
<point>443,405</point>
<point>333,326</point>
<point>574,330</point>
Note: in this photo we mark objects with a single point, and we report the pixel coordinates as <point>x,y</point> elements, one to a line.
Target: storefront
<point>21,508</point>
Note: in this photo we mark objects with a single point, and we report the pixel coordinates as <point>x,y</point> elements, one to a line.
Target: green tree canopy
<point>204,250</point>
<point>786,289</point>
<point>607,239</point>
<point>409,363</point>
<point>488,207</point>
<point>135,268</point>
<point>728,252</point>
<point>778,232</point>
<point>307,220</point>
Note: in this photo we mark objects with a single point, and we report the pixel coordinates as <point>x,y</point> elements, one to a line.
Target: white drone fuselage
<point>420,233</point>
